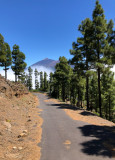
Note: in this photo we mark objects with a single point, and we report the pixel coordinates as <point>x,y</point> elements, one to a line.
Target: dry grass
<point>85,116</point>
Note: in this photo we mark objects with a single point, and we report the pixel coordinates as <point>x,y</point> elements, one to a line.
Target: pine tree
<point>36,73</point>
<point>2,51</point>
<point>77,90</point>
<point>74,88</point>
<point>110,46</point>
<point>93,91</point>
<point>45,81</point>
<point>41,81</point>
<point>29,81</point>
<point>15,54</point>
<point>99,43</point>
<point>62,78</point>
<point>18,61</point>
<point>107,80</point>
<point>23,78</point>
<point>85,46</point>
<point>8,61</point>
<point>51,83</point>
<point>77,62</point>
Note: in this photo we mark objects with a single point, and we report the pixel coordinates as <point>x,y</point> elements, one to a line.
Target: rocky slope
<point>20,124</point>
<point>10,89</point>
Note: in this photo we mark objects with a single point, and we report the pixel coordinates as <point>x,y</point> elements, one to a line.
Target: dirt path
<point>67,139</point>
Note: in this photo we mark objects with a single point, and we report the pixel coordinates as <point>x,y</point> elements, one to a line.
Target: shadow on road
<point>70,107</point>
<point>103,142</point>
<point>65,106</point>
<point>101,139</point>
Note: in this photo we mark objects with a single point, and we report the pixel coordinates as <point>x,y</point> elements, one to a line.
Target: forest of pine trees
<point>86,80</point>
<point>91,82</point>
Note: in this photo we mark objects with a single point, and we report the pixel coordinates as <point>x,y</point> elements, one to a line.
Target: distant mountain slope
<point>48,63</point>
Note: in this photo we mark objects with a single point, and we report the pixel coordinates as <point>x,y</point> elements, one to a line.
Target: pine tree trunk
<point>87,82</point>
<point>50,90</point>
<point>109,108</point>
<point>91,106</point>
<point>99,92</point>
<point>63,92</point>
<point>15,78</point>
<point>74,99</point>
<point>99,85</point>
<point>87,91</point>
<point>5,73</point>
<point>106,111</point>
<point>78,104</point>
<point>5,69</point>
<point>58,92</point>
<point>81,104</point>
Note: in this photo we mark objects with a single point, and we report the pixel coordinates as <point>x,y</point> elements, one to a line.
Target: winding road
<point>66,139</point>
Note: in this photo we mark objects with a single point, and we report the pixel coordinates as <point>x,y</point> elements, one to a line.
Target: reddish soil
<point>20,123</point>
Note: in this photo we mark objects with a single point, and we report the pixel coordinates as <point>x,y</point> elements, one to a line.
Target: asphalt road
<point>66,139</point>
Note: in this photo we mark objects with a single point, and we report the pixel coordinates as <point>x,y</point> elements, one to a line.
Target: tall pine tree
<point>29,81</point>
<point>36,73</point>
<point>8,61</point>
<point>41,81</point>
<point>99,43</point>
<point>2,51</point>
<point>85,46</point>
<point>45,81</point>
<point>62,77</point>
<point>18,61</point>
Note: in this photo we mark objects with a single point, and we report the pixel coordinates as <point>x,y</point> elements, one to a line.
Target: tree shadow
<point>101,140</point>
<point>71,107</point>
<point>65,106</point>
<point>86,113</point>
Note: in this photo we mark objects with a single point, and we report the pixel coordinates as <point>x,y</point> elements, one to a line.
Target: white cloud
<point>11,76</point>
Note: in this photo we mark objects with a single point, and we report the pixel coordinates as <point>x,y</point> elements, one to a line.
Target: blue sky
<point>46,28</point>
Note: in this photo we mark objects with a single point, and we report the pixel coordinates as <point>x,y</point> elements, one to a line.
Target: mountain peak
<point>45,59</point>
<point>48,63</point>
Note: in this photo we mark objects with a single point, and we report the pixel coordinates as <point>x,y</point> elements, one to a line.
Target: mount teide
<point>46,63</point>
